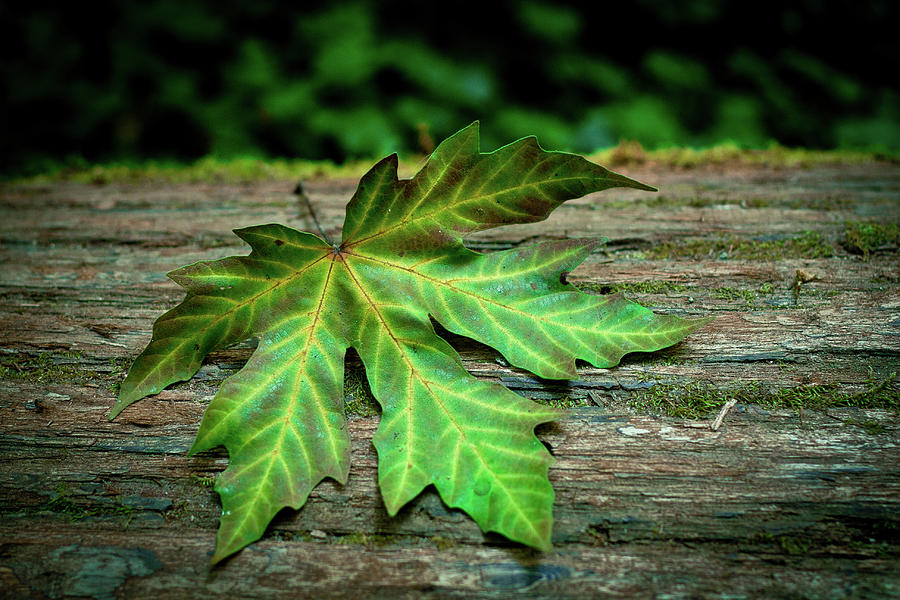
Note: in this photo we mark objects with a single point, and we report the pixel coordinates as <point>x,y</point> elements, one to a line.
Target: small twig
<point>721,416</point>
<point>300,192</point>
<point>595,398</point>
<point>800,278</point>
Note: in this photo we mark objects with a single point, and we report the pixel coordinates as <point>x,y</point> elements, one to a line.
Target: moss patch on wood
<point>765,296</point>
<point>863,537</point>
<point>662,200</point>
<point>807,244</point>
<point>358,398</point>
<point>61,502</point>
<point>564,402</point>
<point>696,400</point>
<point>442,543</point>
<point>61,367</point>
<point>366,539</point>
<point>46,367</point>
<point>253,169</point>
<point>775,156</point>
<point>868,237</point>
<point>634,287</point>
<point>206,170</point>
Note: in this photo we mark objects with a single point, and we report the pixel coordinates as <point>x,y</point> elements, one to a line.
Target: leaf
<point>400,261</point>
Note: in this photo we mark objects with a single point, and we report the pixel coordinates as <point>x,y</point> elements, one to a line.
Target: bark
<point>794,495</point>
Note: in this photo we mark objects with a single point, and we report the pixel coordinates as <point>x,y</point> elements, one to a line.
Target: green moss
<point>662,200</point>
<point>697,400</point>
<point>693,400</point>
<point>751,298</point>
<point>62,503</point>
<point>208,170</point>
<point>251,169</point>
<point>366,539</point>
<point>808,244</point>
<point>748,298</point>
<point>442,543</point>
<point>870,426</point>
<point>871,537</point>
<point>62,368</point>
<point>821,203</point>
<point>45,367</point>
<point>866,237</point>
<point>631,153</point>
<point>179,510</point>
<point>358,398</point>
<point>564,403</point>
<point>882,393</point>
<point>731,294</point>
<point>208,481</point>
<point>634,287</point>
<point>809,396</point>
<point>792,545</point>
<point>649,287</point>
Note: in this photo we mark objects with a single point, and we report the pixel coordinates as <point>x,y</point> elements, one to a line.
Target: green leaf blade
<point>285,431</point>
<point>473,440</point>
<point>461,190</point>
<point>517,302</point>
<point>401,262</point>
<point>225,299</point>
<point>205,321</point>
<point>281,419</point>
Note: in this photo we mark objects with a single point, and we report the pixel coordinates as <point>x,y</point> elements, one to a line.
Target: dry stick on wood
<point>721,416</point>
<point>300,192</point>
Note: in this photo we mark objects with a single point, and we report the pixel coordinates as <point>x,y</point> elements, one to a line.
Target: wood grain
<point>778,502</point>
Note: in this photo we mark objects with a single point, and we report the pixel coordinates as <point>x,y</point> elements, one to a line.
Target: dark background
<point>119,80</point>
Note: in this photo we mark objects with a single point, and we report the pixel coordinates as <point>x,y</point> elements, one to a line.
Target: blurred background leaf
<point>115,80</point>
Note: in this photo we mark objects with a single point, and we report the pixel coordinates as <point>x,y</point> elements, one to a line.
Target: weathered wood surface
<point>778,502</point>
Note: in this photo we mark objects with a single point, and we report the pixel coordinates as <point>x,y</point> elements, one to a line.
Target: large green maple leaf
<point>400,260</point>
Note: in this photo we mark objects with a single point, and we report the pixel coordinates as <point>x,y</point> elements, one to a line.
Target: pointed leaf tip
<point>623,181</point>
<point>114,412</point>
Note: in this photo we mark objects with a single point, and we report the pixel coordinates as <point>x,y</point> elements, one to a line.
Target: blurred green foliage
<point>167,79</point>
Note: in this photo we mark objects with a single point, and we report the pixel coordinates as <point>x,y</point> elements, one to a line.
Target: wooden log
<point>794,495</point>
